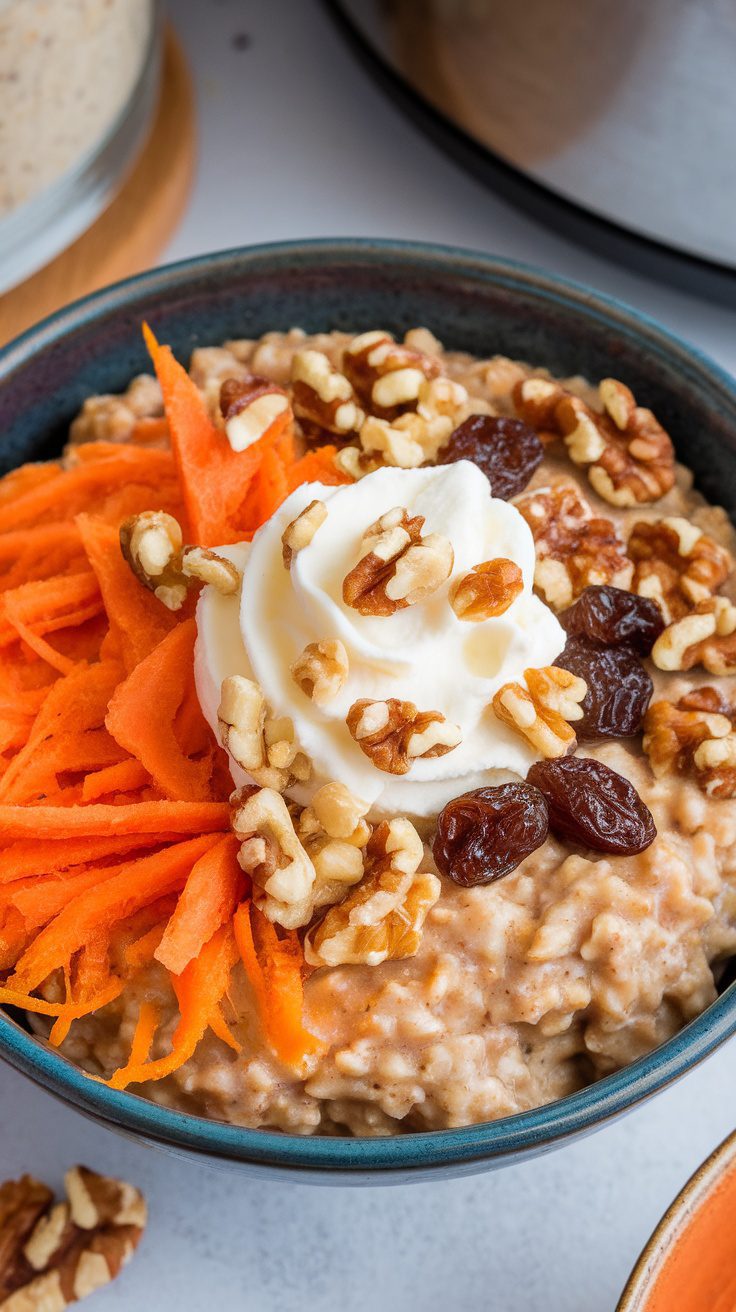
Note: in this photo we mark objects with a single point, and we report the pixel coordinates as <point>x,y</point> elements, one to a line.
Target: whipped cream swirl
<point>423,654</point>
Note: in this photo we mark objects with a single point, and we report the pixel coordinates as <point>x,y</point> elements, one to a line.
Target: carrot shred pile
<point>116,855</point>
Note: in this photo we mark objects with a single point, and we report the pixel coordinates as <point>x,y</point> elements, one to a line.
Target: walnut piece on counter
<point>151,543</point>
<point>574,547</point>
<point>382,918</point>
<point>53,1254</point>
<point>393,733</point>
<point>694,736</point>
<point>676,564</point>
<point>543,711</point>
<point>399,567</point>
<point>706,636</point>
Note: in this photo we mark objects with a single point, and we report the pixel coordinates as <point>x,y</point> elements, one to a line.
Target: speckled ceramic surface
<point>472,302</point>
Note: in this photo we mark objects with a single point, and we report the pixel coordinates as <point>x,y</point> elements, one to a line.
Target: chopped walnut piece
<point>152,545</point>
<point>676,564</point>
<point>323,395</point>
<point>398,567</point>
<point>629,456</point>
<point>356,463</point>
<point>271,853</point>
<point>321,670</point>
<point>410,439</point>
<point>249,406</point>
<point>424,341</point>
<point>53,1254</point>
<point>333,830</point>
<point>340,813</point>
<point>536,401</point>
<point>384,374</point>
<point>381,919</point>
<point>543,710</point>
<point>487,591</point>
<point>394,733</point>
<point>707,637</point>
<point>575,548</point>
<point>694,736</point>
<point>110,418</point>
<point>299,533</point>
<point>262,746</point>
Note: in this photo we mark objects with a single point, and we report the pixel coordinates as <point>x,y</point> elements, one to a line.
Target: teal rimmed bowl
<point>472,302</point>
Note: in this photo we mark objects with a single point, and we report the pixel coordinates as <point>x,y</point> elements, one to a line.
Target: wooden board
<point>129,235</point>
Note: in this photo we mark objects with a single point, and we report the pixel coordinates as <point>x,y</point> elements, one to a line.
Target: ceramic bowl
<point>689,1264</point>
<point>472,302</point>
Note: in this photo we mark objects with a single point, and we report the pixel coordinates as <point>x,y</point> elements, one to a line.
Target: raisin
<point>619,688</point>
<point>506,450</point>
<point>485,834</point>
<point>612,616</point>
<point>593,806</point>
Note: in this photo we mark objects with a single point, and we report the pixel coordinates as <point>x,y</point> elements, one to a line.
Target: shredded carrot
<point>199,990</point>
<point>273,966</point>
<point>49,604</point>
<point>136,616</point>
<point>48,856</point>
<point>317,467</point>
<point>11,997</point>
<point>88,977</point>
<point>125,777</point>
<point>101,819</point>
<point>221,1029</point>
<point>208,899</point>
<point>142,712</point>
<point>135,885</point>
<point>112,851</point>
<point>214,478</point>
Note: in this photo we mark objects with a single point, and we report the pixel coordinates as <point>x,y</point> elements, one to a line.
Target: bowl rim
<point>675,1221</point>
<point>402,1155</point>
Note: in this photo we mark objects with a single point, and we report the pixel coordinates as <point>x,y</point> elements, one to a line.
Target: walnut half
<point>574,547</point>
<point>398,566</point>
<point>151,544</point>
<point>543,710</point>
<point>382,918</point>
<point>676,564</point>
<point>707,637</point>
<point>394,734</point>
<point>53,1254</point>
<point>694,736</point>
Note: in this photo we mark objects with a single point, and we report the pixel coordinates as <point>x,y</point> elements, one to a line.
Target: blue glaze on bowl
<point>472,302</point>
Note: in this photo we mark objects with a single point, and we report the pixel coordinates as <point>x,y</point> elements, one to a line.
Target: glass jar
<point>79,81</point>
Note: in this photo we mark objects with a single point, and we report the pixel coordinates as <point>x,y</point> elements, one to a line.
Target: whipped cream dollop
<point>423,653</point>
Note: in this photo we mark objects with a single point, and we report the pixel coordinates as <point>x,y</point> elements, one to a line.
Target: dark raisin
<point>506,450</point>
<point>484,835</point>
<point>611,616</point>
<point>619,688</point>
<point>593,806</point>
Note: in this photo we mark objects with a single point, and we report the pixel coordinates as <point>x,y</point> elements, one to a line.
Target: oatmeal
<point>470,678</point>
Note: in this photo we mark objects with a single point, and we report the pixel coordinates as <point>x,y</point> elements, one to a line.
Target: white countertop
<point>296,141</point>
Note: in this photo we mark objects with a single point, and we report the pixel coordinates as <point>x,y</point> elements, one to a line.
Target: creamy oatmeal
<point>449,984</point>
